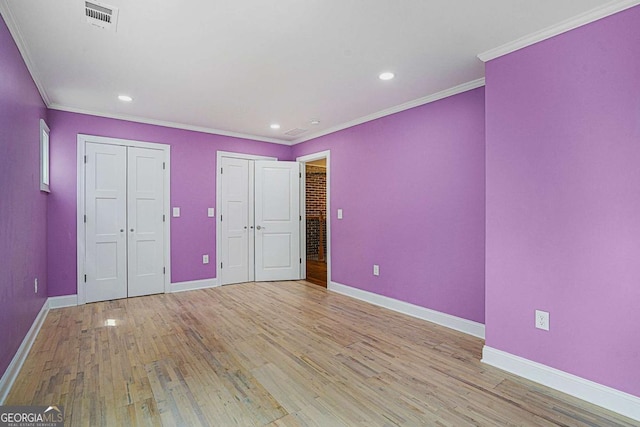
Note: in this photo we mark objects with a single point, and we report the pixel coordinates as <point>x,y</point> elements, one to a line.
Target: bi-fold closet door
<point>260,220</point>
<point>124,230</point>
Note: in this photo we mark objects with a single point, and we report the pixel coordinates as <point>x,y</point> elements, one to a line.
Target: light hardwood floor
<point>278,354</point>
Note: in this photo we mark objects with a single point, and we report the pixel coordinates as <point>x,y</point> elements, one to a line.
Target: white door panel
<point>124,202</point>
<point>105,207</point>
<point>145,186</point>
<point>277,219</point>
<point>235,221</point>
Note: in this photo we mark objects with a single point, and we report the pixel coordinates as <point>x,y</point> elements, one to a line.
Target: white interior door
<point>277,220</point>
<point>106,222</point>
<point>236,226</point>
<point>145,200</point>
<point>124,205</point>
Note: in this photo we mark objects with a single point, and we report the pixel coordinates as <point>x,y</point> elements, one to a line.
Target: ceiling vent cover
<point>101,15</point>
<point>295,131</point>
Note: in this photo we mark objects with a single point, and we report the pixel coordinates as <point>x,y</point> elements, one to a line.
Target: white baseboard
<point>10,375</point>
<point>453,322</point>
<point>63,301</point>
<point>607,397</point>
<point>193,285</point>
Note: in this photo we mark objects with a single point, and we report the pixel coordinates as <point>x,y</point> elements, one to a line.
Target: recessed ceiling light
<point>315,122</point>
<point>125,98</point>
<point>387,75</point>
<point>275,126</point>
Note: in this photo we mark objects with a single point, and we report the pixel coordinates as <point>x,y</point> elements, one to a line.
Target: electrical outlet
<point>339,213</point>
<point>211,212</point>
<point>35,285</point>
<point>205,259</point>
<point>542,320</point>
<point>376,270</point>
<point>176,212</point>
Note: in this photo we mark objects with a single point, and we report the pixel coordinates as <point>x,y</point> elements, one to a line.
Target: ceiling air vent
<point>295,131</point>
<point>101,15</point>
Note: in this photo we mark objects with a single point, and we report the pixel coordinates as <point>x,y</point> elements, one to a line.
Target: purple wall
<point>411,187</point>
<point>193,189</point>
<point>23,208</point>
<point>563,201</point>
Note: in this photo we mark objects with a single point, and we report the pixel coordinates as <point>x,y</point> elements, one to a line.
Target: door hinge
<point>300,260</point>
<point>163,218</point>
<point>85,219</point>
<point>300,174</point>
<point>220,218</point>
<point>85,278</point>
<point>164,270</point>
<point>220,265</point>
<point>300,217</point>
<point>221,171</point>
<point>85,159</point>
<point>163,165</point>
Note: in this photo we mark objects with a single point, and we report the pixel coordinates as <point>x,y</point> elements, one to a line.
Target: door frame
<point>303,211</point>
<point>219,156</point>
<point>80,212</point>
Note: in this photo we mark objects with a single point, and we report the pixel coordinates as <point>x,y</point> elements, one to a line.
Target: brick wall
<point>316,196</point>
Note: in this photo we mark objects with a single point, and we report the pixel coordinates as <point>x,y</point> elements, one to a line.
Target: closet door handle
<point>132,230</point>
<point>258,228</point>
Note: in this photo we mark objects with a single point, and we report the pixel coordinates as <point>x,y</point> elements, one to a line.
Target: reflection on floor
<point>317,272</point>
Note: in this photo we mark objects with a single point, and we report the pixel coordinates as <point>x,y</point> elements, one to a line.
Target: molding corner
<point>464,87</point>
<point>592,392</point>
<point>10,375</point>
<point>585,18</point>
<point>443,319</point>
<point>63,301</point>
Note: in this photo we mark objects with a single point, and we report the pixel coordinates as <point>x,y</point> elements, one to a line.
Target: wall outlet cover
<point>176,212</point>
<point>542,320</point>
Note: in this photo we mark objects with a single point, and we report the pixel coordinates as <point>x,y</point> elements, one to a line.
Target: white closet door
<point>277,219</point>
<point>236,233</point>
<point>106,222</point>
<point>145,221</point>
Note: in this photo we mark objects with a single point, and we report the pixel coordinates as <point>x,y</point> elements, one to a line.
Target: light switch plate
<point>205,259</point>
<point>376,270</point>
<point>176,212</point>
<point>211,212</point>
<point>339,213</point>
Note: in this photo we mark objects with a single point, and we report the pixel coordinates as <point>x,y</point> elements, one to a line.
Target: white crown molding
<point>63,301</point>
<point>562,27</point>
<point>453,322</point>
<point>168,124</point>
<point>10,375</point>
<point>192,285</point>
<point>598,394</point>
<point>5,11</point>
<point>464,87</point>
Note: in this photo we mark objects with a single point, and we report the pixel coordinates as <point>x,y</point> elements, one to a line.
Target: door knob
<point>258,228</point>
<point>122,230</point>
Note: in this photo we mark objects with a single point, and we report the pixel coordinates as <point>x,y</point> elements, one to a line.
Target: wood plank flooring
<point>275,354</point>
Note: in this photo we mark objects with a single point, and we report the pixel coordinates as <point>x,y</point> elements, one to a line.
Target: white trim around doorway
<point>80,229</point>
<point>303,225</point>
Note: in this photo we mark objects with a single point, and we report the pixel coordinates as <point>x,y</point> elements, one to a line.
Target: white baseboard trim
<point>10,375</point>
<point>63,301</point>
<point>453,322</point>
<point>607,397</point>
<point>193,285</point>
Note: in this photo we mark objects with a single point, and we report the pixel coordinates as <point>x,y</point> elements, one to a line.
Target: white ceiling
<point>235,67</point>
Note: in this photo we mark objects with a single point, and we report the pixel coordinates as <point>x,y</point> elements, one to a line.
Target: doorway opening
<point>316,226</point>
